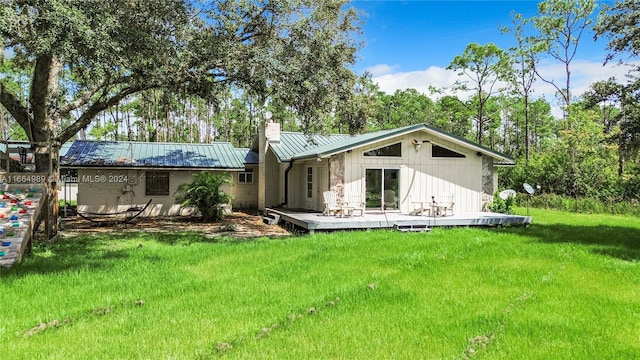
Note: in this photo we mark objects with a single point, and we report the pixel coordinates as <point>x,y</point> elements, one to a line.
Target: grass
<point>566,287</point>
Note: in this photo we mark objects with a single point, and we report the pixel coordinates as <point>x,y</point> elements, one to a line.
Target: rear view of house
<point>391,168</point>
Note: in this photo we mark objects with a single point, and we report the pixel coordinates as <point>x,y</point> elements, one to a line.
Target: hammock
<point>94,216</point>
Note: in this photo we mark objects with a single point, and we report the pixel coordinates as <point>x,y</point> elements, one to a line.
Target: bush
<point>205,194</point>
<point>500,205</point>
<point>582,204</point>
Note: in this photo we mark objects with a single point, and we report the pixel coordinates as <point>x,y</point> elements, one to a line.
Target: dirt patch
<point>239,225</point>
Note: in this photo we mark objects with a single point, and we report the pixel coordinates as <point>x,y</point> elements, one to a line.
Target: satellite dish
<point>505,194</point>
<point>528,188</point>
<point>268,115</point>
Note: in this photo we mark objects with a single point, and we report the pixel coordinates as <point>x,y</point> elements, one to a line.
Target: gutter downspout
<point>286,183</point>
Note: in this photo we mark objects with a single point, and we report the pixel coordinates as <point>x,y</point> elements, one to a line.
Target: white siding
<point>422,176</point>
<point>298,185</point>
<point>274,180</point>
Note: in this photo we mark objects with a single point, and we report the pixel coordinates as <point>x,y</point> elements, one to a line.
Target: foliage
<point>561,24</point>
<point>523,76</point>
<point>620,113</point>
<point>357,107</point>
<point>406,107</point>
<point>500,205</point>
<point>619,24</point>
<point>482,66</point>
<point>453,115</point>
<point>494,293</point>
<point>578,163</point>
<point>587,205</point>
<point>85,57</point>
<point>205,194</point>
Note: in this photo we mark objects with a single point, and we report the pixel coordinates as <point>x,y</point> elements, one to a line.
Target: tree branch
<point>83,99</point>
<point>85,119</point>
<point>17,109</point>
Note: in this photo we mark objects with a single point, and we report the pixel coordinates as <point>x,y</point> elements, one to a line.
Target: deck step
<point>271,219</point>
<point>412,227</point>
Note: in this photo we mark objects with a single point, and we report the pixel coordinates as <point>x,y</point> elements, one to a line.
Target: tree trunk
<point>42,129</point>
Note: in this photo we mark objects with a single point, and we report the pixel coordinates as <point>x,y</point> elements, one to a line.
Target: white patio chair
<point>331,203</point>
<point>446,203</point>
<point>356,201</point>
<point>389,199</point>
<point>420,206</point>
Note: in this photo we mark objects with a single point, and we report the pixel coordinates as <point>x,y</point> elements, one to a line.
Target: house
<point>390,168</point>
<point>411,163</point>
<point>113,176</point>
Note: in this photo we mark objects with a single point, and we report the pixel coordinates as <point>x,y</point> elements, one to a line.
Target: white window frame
<point>309,182</point>
<point>245,174</point>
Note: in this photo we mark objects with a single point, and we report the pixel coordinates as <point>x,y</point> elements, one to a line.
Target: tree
<point>407,107</point>
<point>590,171</point>
<point>84,57</point>
<point>619,24</point>
<point>524,75</point>
<point>561,24</point>
<point>88,56</point>
<point>452,115</point>
<point>357,107</point>
<point>482,66</point>
<point>621,116</point>
<point>205,194</point>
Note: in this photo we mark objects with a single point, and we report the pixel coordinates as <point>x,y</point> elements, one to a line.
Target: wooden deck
<point>372,219</point>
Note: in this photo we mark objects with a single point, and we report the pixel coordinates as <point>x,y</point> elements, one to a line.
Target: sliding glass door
<point>382,188</point>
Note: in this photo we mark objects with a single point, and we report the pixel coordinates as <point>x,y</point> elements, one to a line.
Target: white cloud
<point>420,80</point>
<point>381,69</point>
<point>583,74</point>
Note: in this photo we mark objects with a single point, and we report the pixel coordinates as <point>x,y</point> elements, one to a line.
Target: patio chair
<point>356,201</point>
<point>420,206</point>
<point>389,200</point>
<point>331,203</point>
<point>445,205</point>
<point>487,200</point>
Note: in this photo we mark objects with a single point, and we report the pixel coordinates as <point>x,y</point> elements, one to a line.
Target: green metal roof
<point>352,142</point>
<point>220,155</point>
<point>247,156</point>
<point>292,143</point>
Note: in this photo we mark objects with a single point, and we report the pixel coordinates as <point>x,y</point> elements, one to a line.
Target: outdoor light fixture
<point>418,144</point>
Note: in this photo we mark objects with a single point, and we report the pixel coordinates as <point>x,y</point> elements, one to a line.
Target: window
<point>441,152</point>
<point>309,182</point>
<point>157,183</point>
<point>245,177</point>
<point>391,150</point>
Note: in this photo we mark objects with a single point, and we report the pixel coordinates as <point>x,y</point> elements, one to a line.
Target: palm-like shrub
<point>205,194</point>
<point>500,205</point>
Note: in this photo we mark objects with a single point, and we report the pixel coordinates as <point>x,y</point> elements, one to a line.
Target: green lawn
<point>567,287</point>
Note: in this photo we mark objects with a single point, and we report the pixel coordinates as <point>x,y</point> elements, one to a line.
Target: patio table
<point>345,209</point>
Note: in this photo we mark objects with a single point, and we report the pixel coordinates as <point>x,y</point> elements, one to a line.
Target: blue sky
<point>409,43</point>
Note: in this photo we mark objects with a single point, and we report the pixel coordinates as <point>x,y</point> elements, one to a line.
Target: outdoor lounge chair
<point>445,205</point>
<point>389,199</point>
<point>420,206</point>
<point>355,201</point>
<point>331,203</point>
